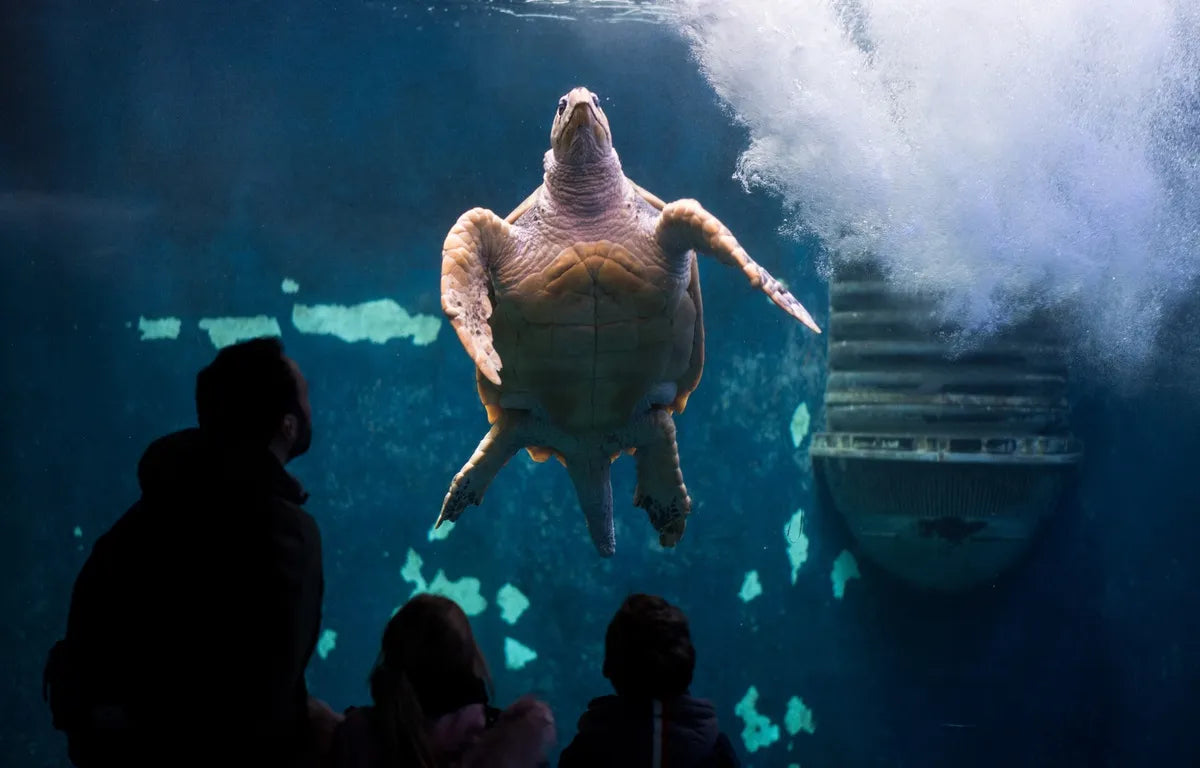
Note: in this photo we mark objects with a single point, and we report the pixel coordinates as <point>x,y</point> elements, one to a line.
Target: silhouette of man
<point>194,617</point>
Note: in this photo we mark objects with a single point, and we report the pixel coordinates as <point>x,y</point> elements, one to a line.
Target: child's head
<point>648,649</point>
<point>429,651</point>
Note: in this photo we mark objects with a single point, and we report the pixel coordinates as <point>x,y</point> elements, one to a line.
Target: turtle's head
<point>580,133</point>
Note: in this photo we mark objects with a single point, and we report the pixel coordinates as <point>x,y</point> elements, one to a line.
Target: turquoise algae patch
<point>464,591</point>
<point>512,603</point>
<point>441,532</point>
<point>800,424</point>
<point>517,655</point>
<point>759,731</point>
<point>799,717</point>
<point>377,321</point>
<point>797,542</point>
<point>153,329</point>
<point>845,568</point>
<point>751,588</point>
<point>326,643</point>
<point>224,331</point>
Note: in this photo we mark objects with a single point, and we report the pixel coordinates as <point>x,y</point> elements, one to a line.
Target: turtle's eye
<point>562,104</point>
<point>596,100</point>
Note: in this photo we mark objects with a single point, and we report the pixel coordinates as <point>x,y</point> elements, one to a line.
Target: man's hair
<point>243,394</point>
<point>648,649</point>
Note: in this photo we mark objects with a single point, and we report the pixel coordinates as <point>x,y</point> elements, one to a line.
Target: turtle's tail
<point>593,486</point>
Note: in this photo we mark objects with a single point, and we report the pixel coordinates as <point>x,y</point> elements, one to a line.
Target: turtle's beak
<point>581,114</point>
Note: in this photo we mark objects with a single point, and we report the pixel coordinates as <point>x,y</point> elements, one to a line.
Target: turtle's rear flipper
<point>593,486</point>
<point>685,225</point>
<point>660,489</point>
<point>494,450</point>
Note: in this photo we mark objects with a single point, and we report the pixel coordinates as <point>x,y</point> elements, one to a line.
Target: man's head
<point>254,396</point>
<point>648,650</point>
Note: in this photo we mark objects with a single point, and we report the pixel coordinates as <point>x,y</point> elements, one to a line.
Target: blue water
<point>181,160</point>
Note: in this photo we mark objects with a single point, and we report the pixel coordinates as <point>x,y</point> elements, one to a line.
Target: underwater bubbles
<point>1009,156</point>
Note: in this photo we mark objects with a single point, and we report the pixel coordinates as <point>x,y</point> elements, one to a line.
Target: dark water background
<point>181,159</point>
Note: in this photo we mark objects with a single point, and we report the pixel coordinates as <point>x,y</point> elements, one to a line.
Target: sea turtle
<point>587,298</point>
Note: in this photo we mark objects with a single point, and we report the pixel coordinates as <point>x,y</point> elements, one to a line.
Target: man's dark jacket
<point>619,732</point>
<point>194,617</point>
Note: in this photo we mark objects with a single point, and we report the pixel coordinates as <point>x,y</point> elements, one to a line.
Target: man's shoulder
<point>292,519</point>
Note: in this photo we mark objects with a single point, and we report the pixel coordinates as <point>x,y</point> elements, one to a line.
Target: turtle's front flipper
<point>685,225</point>
<point>473,242</point>
<point>593,486</point>
<point>497,447</point>
<point>660,489</point>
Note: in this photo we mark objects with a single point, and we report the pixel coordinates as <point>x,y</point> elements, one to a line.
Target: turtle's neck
<point>584,189</point>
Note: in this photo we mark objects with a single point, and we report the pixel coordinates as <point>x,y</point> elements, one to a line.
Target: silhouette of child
<point>431,690</point>
<point>652,720</point>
